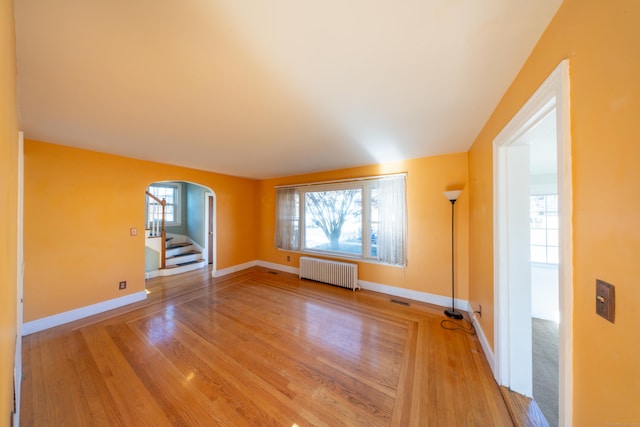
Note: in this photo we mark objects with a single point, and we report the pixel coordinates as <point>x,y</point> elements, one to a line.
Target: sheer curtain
<point>287,219</point>
<point>392,216</point>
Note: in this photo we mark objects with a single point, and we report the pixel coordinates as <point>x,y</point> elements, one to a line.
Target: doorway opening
<point>533,252</point>
<point>180,228</point>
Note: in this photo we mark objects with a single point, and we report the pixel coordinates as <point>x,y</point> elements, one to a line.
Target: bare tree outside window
<point>364,218</point>
<point>330,211</point>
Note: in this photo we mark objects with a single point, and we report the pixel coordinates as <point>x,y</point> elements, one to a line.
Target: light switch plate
<point>605,300</point>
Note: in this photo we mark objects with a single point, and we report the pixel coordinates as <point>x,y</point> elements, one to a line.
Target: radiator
<point>342,274</point>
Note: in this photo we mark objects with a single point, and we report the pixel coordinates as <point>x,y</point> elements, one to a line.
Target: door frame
<point>208,194</point>
<point>515,268</point>
<point>17,368</point>
<point>553,93</point>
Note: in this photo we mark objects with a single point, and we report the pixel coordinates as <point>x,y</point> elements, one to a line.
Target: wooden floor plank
<point>259,348</point>
<point>525,411</point>
<point>135,403</point>
<point>294,361</point>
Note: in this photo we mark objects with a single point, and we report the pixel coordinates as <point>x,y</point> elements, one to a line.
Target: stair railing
<point>157,228</point>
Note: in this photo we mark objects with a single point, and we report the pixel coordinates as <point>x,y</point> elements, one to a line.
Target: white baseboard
<point>485,344</point>
<point>385,289</point>
<point>233,269</point>
<point>415,295</point>
<point>80,313</point>
<point>279,267</point>
<point>173,271</point>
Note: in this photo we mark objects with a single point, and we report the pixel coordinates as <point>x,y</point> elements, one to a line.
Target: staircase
<point>176,253</point>
<point>180,254</point>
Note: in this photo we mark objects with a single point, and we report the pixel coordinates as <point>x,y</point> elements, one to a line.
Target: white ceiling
<point>270,88</point>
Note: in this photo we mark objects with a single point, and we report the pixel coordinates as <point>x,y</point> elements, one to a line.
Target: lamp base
<point>454,314</point>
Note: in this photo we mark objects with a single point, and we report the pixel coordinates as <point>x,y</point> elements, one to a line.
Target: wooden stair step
<point>185,254</point>
<point>182,264</point>
<point>188,263</point>
<point>178,245</point>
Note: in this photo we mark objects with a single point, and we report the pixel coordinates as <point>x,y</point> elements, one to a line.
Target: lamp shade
<point>452,195</point>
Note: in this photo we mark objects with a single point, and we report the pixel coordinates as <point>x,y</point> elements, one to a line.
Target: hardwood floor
<point>259,348</point>
<point>524,411</point>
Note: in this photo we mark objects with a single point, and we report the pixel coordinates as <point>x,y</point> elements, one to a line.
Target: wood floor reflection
<point>259,348</point>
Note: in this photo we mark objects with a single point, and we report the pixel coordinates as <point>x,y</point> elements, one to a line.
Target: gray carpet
<point>545,368</point>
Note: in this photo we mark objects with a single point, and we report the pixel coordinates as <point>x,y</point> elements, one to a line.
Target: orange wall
<point>602,41</point>
<point>8,206</point>
<point>429,224</point>
<point>79,207</point>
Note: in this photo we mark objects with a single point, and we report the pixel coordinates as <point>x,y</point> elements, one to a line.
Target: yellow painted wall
<point>429,224</point>
<point>8,207</point>
<point>602,41</point>
<point>79,207</point>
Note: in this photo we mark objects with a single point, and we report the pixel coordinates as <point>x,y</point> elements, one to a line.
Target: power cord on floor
<point>459,325</point>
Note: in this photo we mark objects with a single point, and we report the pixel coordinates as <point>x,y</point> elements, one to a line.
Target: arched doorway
<point>180,228</point>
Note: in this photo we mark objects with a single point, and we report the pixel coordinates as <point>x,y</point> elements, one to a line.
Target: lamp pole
<point>453,313</point>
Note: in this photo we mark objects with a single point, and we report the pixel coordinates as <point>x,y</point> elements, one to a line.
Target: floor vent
<point>395,301</point>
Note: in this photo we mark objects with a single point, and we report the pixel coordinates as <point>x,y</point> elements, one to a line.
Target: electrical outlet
<point>478,311</point>
<point>133,231</point>
<point>123,285</point>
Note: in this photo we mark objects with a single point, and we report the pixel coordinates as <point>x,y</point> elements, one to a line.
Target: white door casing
<point>17,371</point>
<point>552,95</point>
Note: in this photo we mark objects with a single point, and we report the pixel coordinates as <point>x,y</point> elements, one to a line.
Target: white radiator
<point>337,273</point>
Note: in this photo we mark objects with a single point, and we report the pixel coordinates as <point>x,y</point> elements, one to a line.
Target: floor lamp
<point>452,196</point>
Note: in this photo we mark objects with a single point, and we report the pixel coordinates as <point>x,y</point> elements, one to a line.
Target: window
<point>358,219</point>
<point>544,228</point>
<point>171,194</point>
<point>333,221</point>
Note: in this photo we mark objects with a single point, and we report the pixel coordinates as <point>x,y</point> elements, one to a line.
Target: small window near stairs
<point>171,194</point>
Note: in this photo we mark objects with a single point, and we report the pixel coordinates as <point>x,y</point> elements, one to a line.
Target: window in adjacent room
<point>170,192</point>
<point>544,228</point>
<point>355,219</point>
